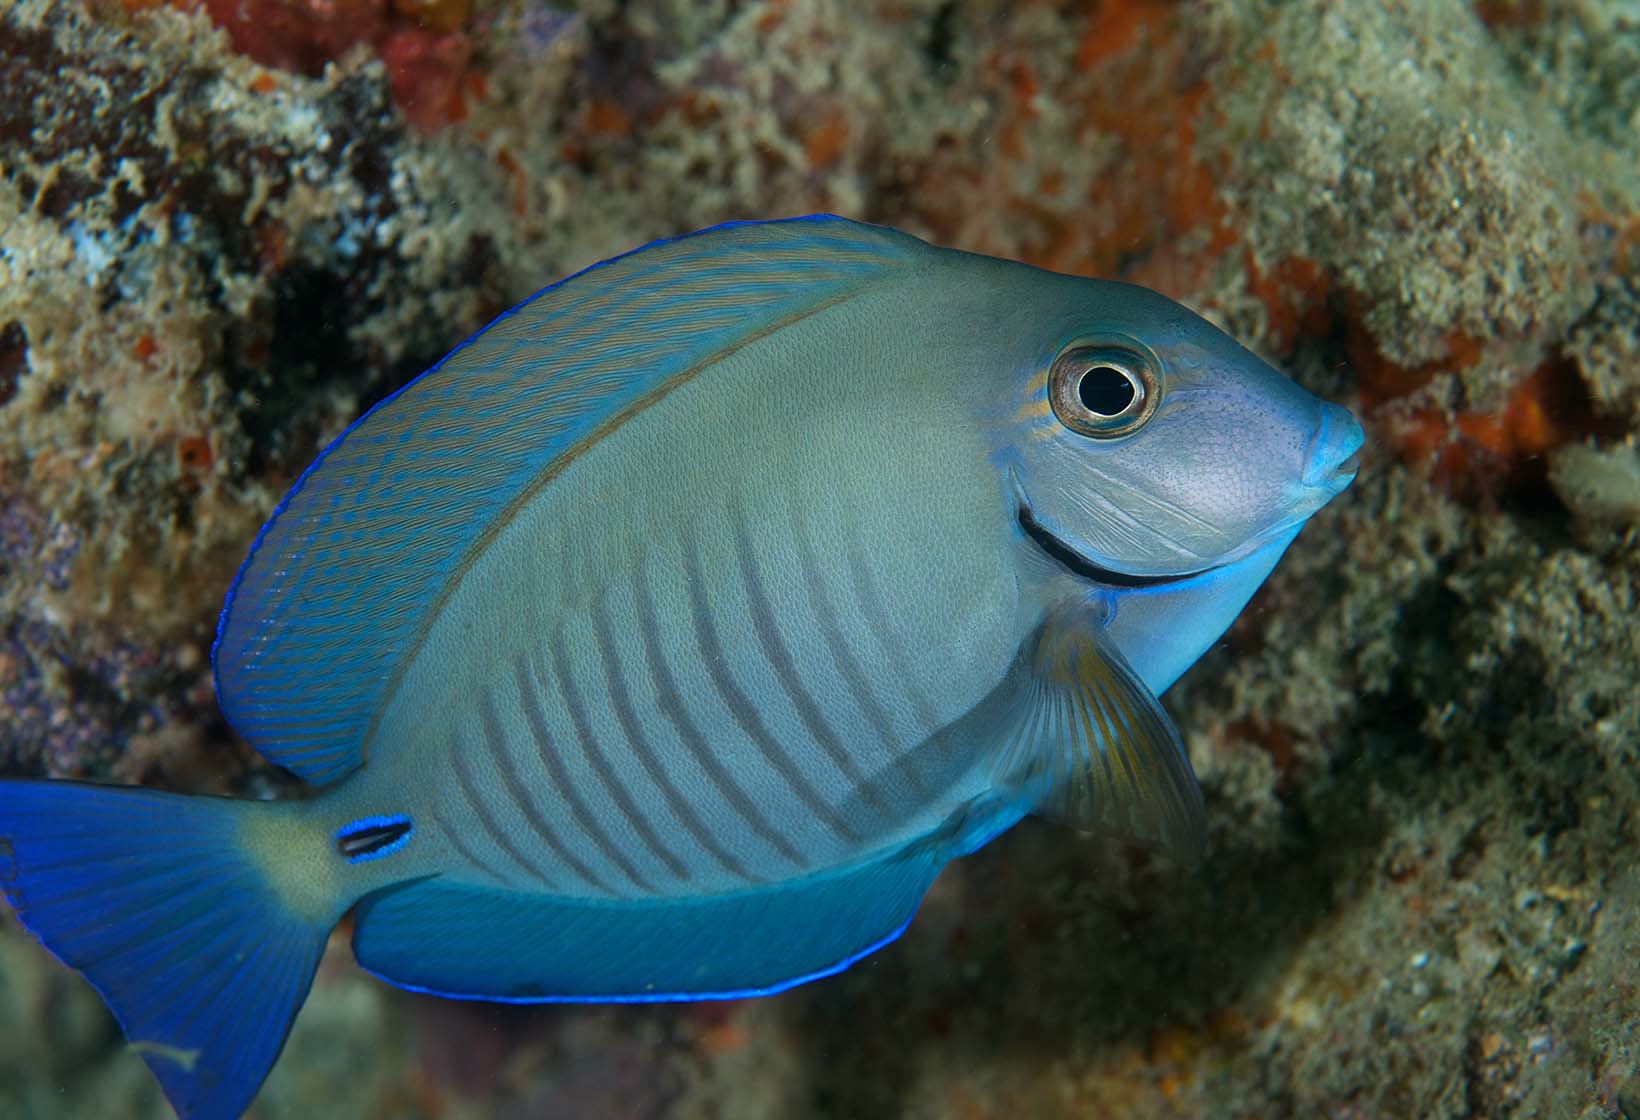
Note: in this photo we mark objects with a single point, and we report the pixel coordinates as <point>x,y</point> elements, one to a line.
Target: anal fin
<point>470,942</point>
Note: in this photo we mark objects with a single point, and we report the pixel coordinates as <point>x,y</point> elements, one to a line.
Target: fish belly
<point>708,657</point>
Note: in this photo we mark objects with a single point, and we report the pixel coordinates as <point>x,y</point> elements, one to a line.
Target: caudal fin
<point>153,897</point>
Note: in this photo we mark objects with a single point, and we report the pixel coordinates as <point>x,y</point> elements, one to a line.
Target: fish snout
<point>1330,459</point>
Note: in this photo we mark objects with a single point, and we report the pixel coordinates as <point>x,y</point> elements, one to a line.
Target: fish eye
<point>1104,391</point>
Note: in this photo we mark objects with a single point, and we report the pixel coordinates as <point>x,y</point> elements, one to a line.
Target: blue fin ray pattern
<point>151,897</point>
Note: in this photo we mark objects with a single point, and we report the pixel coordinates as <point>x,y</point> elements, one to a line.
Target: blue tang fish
<point>667,638</point>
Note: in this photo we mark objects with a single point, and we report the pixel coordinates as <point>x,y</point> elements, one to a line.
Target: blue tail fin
<point>154,899</point>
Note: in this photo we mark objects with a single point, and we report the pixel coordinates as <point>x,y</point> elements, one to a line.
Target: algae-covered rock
<point>1599,484</point>
<point>1394,144</point>
<point>206,269</point>
<point>1420,745</point>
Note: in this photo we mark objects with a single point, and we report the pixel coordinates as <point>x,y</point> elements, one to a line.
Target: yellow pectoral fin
<point>1090,745</point>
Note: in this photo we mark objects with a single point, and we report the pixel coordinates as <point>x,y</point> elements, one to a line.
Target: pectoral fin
<point>1090,745</point>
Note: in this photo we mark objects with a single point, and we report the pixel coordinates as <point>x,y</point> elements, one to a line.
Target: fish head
<point>1145,443</point>
<point>1161,464</point>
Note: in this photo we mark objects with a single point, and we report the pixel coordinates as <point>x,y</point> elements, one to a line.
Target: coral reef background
<point>227,226</point>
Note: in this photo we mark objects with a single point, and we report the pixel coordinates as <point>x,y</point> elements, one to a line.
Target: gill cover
<point>1151,443</point>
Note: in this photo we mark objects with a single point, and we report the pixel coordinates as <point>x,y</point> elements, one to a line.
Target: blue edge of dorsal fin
<point>341,574</point>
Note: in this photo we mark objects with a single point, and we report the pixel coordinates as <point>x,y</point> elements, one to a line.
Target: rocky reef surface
<point>227,226</point>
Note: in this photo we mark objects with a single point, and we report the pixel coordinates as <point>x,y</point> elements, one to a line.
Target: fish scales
<point>721,566</point>
<point>388,466</point>
<point>668,638</point>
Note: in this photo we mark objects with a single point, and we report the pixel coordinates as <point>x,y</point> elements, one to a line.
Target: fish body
<point>667,639</point>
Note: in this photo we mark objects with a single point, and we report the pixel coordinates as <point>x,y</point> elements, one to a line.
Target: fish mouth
<point>1077,564</point>
<point>1334,451</point>
<point>1338,479</point>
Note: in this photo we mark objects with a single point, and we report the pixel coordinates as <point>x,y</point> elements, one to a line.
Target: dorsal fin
<point>343,579</point>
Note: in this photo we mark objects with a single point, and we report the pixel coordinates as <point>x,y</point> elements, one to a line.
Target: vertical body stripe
<point>469,793</point>
<point>844,661</point>
<point>872,609</point>
<point>525,676</point>
<point>600,765</point>
<point>523,798</point>
<point>670,702</point>
<point>621,704</point>
<point>740,706</point>
<point>779,658</point>
<point>463,850</point>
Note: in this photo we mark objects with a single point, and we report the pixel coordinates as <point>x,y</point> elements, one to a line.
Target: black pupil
<point>1105,391</point>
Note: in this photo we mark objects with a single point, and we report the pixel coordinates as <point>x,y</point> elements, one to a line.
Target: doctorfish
<point>668,637</point>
